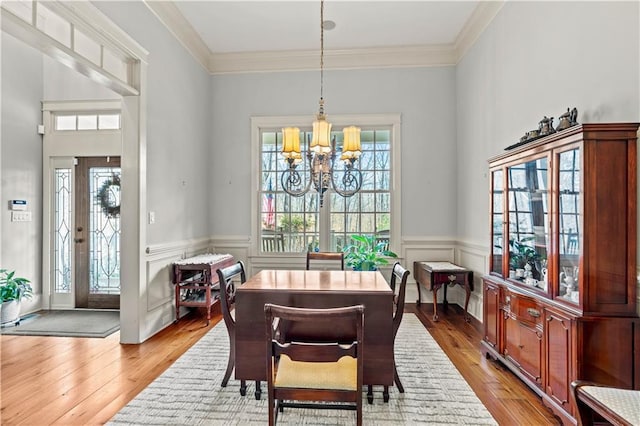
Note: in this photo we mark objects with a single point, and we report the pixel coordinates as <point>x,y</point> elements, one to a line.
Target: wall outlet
<point>21,216</point>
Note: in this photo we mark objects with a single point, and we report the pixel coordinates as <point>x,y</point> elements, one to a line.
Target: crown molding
<point>480,19</point>
<point>304,60</point>
<point>344,59</point>
<point>170,16</point>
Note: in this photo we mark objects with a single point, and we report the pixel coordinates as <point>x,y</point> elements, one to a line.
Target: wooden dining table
<point>316,289</point>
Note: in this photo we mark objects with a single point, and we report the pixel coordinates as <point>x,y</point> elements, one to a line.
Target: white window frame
<point>392,121</point>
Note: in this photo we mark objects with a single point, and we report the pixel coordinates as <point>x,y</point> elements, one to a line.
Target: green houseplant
<point>520,254</point>
<point>12,290</point>
<point>365,254</point>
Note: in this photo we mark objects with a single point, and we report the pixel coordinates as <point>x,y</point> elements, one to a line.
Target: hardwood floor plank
<point>76,381</point>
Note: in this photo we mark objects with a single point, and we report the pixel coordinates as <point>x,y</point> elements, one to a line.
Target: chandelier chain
<point>321,51</point>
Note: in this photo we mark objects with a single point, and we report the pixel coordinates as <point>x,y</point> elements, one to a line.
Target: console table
<point>437,274</point>
<point>196,281</point>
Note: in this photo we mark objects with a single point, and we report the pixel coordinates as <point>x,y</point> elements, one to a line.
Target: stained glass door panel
<point>97,233</point>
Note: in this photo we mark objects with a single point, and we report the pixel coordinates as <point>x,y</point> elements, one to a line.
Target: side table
<point>437,274</point>
<point>196,281</point>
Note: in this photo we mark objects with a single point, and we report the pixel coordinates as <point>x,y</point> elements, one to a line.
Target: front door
<point>97,233</point>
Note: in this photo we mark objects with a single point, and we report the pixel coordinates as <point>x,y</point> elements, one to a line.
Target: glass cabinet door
<point>528,198</point>
<point>497,221</point>
<point>569,235</point>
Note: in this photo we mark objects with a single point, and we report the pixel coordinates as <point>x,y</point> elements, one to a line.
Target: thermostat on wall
<point>18,204</point>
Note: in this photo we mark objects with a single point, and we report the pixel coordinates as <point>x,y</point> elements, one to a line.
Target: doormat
<point>66,323</point>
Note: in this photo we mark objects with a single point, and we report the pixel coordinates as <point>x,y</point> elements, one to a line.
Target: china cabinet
<point>560,298</point>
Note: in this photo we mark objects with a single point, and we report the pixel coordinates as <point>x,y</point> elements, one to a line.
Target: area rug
<point>67,323</point>
<point>189,392</point>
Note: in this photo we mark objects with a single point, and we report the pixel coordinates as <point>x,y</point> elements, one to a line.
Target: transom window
<point>73,122</point>
<point>296,224</point>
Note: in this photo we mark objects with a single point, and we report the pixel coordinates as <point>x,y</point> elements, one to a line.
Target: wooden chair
<point>306,371</point>
<point>272,241</point>
<point>398,284</point>
<point>620,407</point>
<point>226,278</point>
<point>325,256</point>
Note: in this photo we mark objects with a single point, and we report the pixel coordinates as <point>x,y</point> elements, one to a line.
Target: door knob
<point>79,240</point>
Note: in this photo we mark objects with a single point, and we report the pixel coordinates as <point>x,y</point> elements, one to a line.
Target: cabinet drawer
<point>524,308</point>
<point>447,277</point>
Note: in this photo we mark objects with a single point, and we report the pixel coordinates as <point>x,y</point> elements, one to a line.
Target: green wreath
<point>109,207</point>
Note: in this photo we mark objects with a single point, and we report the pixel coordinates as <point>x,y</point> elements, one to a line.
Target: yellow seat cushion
<point>339,375</point>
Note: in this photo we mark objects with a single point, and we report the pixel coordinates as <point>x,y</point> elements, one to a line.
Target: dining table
<point>316,289</point>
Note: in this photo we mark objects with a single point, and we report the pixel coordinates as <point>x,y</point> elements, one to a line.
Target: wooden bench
<point>617,406</point>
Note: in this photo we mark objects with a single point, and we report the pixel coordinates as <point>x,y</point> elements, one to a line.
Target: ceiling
<point>256,26</point>
<point>238,36</point>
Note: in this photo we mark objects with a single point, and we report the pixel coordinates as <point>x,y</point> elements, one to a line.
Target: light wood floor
<point>76,381</point>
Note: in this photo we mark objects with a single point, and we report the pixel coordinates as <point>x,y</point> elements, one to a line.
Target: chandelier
<point>321,151</point>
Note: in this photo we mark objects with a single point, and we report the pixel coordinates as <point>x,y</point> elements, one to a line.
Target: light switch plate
<point>21,216</point>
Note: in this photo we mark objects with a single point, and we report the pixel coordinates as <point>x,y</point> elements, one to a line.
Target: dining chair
<point>300,373</point>
<point>314,257</point>
<point>227,277</point>
<point>398,285</point>
<point>595,401</point>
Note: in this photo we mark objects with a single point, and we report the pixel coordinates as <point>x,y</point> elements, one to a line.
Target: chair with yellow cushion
<point>300,373</point>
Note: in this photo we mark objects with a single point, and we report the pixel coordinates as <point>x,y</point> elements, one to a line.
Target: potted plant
<point>12,290</point>
<point>364,254</point>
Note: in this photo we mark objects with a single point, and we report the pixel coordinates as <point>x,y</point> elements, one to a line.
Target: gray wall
<point>21,161</point>
<point>178,127</point>
<point>537,59</point>
<point>425,98</point>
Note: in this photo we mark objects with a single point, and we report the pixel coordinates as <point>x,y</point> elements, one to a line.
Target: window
<point>72,122</point>
<point>296,224</point>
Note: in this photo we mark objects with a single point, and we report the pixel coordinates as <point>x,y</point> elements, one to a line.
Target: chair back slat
<point>325,256</point>
<point>315,352</point>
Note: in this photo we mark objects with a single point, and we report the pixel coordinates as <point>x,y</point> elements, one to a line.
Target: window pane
<point>109,121</point>
<point>53,25</point>
<point>87,122</point>
<point>114,64</point>
<point>65,122</point>
<point>22,9</point>
<point>62,231</point>
<point>368,202</point>
<point>86,47</point>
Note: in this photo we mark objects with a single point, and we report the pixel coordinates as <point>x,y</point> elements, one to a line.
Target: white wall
<point>61,83</point>
<point>536,59</point>
<point>425,98</point>
<point>21,162</point>
<point>178,127</point>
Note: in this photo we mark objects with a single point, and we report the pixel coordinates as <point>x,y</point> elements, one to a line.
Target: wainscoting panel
<point>159,289</point>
